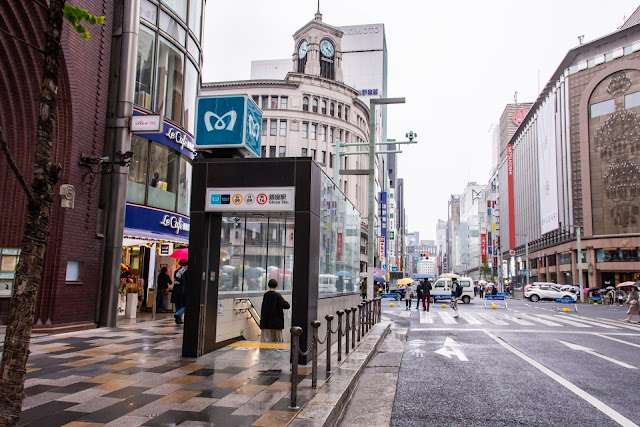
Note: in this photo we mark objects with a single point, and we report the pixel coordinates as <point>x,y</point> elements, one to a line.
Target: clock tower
<point>318,50</point>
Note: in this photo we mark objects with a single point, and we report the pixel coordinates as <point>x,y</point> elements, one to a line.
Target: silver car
<point>538,292</point>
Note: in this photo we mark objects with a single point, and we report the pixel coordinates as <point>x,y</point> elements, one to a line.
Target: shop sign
<point>255,199</point>
<point>229,122</point>
<point>383,220</point>
<point>153,223</point>
<point>175,223</point>
<point>147,123</point>
<point>165,249</point>
<point>381,248</point>
<point>180,138</point>
<point>169,135</point>
<point>339,251</point>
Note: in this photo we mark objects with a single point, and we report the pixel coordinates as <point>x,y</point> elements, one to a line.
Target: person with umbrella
<point>177,295</point>
<point>634,304</point>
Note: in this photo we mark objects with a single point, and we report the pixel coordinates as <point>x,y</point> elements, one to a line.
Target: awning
<point>136,233</point>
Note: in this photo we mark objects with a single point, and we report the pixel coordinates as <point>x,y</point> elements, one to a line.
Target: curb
<point>327,404</point>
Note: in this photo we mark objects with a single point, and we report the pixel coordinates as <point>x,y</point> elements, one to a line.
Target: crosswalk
<point>513,318</point>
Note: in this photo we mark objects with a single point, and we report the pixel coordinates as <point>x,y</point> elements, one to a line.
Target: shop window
<point>184,186</point>
<point>565,258</point>
<point>282,151</point>
<point>272,151</point>
<point>169,81</point>
<point>324,107</point>
<point>172,28</point>
<point>74,271</point>
<point>551,260</point>
<point>305,130</point>
<point>274,102</point>
<point>313,130</point>
<point>283,128</point>
<point>274,127</point>
<point>163,167</point>
<point>264,127</point>
<point>195,17</point>
<point>144,68</point>
<point>314,105</point>
<point>8,265</point>
<point>283,102</point>
<point>190,93</point>
<point>305,103</point>
<point>137,179</point>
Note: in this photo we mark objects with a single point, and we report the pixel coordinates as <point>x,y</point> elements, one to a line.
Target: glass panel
<point>272,151</point>
<point>231,254</point>
<point>74,271</point>
<point>169,81</point>
<point>195,17</point>
<point>305,104</point>
<point>137,181</point>
<point>171,27</point>
<point>273,129</point>
<point>280,252</point>
<point>9,263</point>
<point>144,67</point>
<point>191,85</point>
<point>283,102</point>
<point>305,130</point>
<point>192,47</point>
<point>602,108</point>
<point>283,128</point>
<point>164,174</point>
<point>631,100</point>
<point>303,153</point>
<point>313,131</point>
<point>178,6</point>
<point>282,151</point>
<point>274,102</point>
<point>148,11</point>
<point>184,186</point>
<point>264,127</point>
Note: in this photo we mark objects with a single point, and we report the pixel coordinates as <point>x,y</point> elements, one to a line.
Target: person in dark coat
<point>426,294</point>
<point>419,292</point>
<point>272,314</point>
<point>177,295</point>
<point>163,287</point>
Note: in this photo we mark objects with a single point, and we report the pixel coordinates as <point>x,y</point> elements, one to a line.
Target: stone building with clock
<point>310,109</point>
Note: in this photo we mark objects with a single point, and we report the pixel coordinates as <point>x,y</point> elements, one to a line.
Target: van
<point>441,289</point>
<point>327,283</point>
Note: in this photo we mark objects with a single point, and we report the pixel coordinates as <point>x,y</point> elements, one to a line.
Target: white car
<point>441,289</point>
<point>538,292</point>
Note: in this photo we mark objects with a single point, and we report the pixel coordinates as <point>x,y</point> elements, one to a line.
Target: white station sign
<point>259,199</point>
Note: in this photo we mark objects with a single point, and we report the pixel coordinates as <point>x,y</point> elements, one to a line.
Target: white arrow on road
<point>591,351</point>
<point>450,348</point>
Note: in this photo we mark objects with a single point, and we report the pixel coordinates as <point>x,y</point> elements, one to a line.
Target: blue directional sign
<point>229,122</point>
<point>384,266</point>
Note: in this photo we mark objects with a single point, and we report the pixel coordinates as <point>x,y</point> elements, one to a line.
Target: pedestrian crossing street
<point>438,317</point>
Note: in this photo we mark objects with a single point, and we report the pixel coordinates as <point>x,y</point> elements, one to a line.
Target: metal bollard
<point>353,327</point>
<point>346,331</point>
<point>315,324</point>
<point>379,310</point>
<point>296,331</point>
<point>340,313</point>
<point>359,319</point>
<point>366,315</point>
<point>329,318</point>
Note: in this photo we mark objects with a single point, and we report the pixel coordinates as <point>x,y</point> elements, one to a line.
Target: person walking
<point>481,291</point>
<point>408,296</point>
<point>177,295</point>
<point>426,294</point>
<point>634,304</point>
<point>456,291</point>
<point>419,293</point>
<point>163,289</point>
<point>272,314</point>
<point>363,289</point>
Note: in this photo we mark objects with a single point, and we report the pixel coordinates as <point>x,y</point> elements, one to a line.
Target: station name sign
<point>258,199</point>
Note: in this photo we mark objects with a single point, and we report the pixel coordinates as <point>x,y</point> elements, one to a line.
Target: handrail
<point>250,308</point>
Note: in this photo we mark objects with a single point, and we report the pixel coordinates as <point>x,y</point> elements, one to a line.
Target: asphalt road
<point>526,365</point>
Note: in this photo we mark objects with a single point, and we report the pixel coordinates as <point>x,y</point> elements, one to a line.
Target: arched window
<point>332,109</point>
<point>327,58</point>
<point>305,103</point>
<point>324,107</point>
<point>302,55</point>
<point>314,105</point>
<point>339,111</point>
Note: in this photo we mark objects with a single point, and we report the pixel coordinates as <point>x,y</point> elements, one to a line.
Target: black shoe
<point>178,319</point>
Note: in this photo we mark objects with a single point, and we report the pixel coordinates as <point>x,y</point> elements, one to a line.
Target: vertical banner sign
<point>383,222</point>
<point>512,217</point>
<point>381,246</point>
<point>391,246</point>
<point>339,250</point>
<point>548,176</point>
<point>483,247</point>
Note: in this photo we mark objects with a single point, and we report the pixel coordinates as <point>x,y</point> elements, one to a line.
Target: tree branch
<point>14,168</point>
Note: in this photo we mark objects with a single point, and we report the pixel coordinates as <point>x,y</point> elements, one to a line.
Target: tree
<point>40,199</point>
<point>486,270</point>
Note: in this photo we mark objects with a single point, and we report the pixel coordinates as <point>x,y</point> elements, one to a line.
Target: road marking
<point>561,320</point>
<point>591,351</point>
<point>405,314</point>
<point>598,404</point>
<point>425,317</point>
<point>418,352</point>
<point>593,322</point>
<point>492,319</point>
<point>469,318</point>
<point>616,339</point>
<point>450,348</point>
<point>516,320</point>
<point>537,319</point>
<point>446,318</point>
<point>620,323</point>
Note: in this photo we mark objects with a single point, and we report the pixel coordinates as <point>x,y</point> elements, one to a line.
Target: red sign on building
<point>512,218</point>
<point>483,247</point>
<point>339,250</point>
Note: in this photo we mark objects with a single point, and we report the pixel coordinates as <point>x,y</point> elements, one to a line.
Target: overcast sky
<point>457,64</point>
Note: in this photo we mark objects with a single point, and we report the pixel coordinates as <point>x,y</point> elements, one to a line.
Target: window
<point>148,11</point>
<point>339,111</point>
<point>330,160</point>
<point>332,109</point>
<point>256,99</point>
<point>282,151</point>
<point>305,130</point>
<point>283,102</point>
<point>9,258</point>
<point>274,102</point>
<point>346,113</point>
<point>137,181</point>
<point>331,135</point>
<point>346,136</point>
<point>169,81</point>
<point>324,107</point>
<point>274,127</point>
<point>324,157</point>
<point>184,186</point>
<point>163,168</point>
<point>179,7</point>
<point>192,48</point>
<point>630,101</point>
<point>74,271</point>
<point>264,127</point>
<point>313,153</point>
<point>264,151</point>
<point>313,130</point>
<point>340,135</point>
<point>190,92</point>
<point>144,68</point>
<point>283,128</point>
<point>604,107</point>
<point>314,105</point>
<point>324,133</point>
<point>195,17</point>
<point>272,151</point>
<point>304,152</point>
<point>265,101</point>
<point>305,103</point>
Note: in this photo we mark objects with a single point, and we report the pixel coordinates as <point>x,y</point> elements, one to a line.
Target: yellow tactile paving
<point>179,396</point>
<point>186,379</point>
<point>257,344</point>
<point>114,385</point>
<point>105,378</point>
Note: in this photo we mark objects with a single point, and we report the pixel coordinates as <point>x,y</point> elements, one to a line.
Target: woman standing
<point>634,304</point>
<point>163,288</point>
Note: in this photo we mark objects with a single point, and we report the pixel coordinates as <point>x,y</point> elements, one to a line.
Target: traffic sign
<point>384,266</point>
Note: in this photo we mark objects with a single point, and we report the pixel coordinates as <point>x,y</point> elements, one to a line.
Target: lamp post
<point>580,281</point>
<point>526,254</point>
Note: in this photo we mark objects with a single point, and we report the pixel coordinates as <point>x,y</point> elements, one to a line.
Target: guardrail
<point>565,300</point>
<point>495,298</point>
<point>368,314</point>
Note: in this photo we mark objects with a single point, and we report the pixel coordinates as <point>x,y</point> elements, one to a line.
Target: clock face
<point>302,51</point>
<point>326,48</point>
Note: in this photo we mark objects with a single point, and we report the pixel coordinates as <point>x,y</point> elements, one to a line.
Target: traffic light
<point>426,256</point>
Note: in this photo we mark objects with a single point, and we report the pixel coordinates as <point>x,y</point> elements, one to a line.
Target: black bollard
<point>296,331</point>
<point>329,318</point>
<point>315,324</point>
<point>340,313</point>
<point>353,327</point>
<point>346,331</point>
<point>359,319</point>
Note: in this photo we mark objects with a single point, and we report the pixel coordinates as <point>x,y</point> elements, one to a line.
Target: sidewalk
<point>134,375</point>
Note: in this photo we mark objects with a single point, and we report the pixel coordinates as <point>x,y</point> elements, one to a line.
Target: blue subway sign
<point>229,122</point>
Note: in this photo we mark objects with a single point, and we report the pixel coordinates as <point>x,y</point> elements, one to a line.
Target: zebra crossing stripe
<point>425,317</point>
<point>568,322</point>
<point>620,324</point>
<point>405,314</point>
<point>492,319</point>
<point>591,322</point>
<point>537,319</point>
<point>518,321</point>
<point>469,318</point>
<point>446,318</point>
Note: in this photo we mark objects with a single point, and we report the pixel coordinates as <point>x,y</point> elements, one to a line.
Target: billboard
<point>511,198</point>
<point>383,221</point>
<point>548,178</point>
<point>229,122</point>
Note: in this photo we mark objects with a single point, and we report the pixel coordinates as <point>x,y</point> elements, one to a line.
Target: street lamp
<point>526,253</point>
<point>577,228</point>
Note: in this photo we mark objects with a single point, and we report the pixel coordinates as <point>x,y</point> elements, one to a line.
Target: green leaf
<point>75,16</point>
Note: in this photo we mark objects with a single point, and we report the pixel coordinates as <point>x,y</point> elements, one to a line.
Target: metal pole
<point>315,324</point>
<point>346,331</point>
<point>526,251</point>
<point>340,313</point>
<point>359,319</point>
<point>372,194</point>
<point>580,263</point>
<point>353,327</point>
<point>336,166</point>
<point>296,331</point>
<point>329,318</point>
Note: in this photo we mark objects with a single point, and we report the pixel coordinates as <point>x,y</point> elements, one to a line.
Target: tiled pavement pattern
<point>134,375</point>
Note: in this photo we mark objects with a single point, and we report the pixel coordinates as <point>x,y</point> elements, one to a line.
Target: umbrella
<point>482,282</point>
<point>343,274</point>
<point>378,279</point>
<point>180,254</point>
<point>228,267</point>
<point>252,273</point>
<point>449,276</point>
<point>609,288</point>
<point>405,281</point>
<point>280,274</point>
<point>625,284</point>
